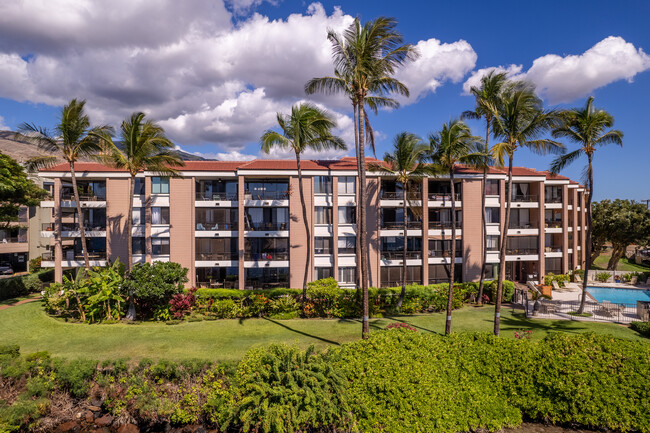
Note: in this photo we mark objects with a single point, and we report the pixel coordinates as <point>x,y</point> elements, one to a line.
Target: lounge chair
<point>577,278</point>
<point>556,286</point>
<point>200,227</point>
<point>634,280</point>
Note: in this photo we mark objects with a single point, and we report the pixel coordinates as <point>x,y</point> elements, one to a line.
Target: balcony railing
<point>92,255</point>
<point>444,224</point>
<point>278,195</point>
<point>47,256</point>
<point>411,225</point>
<point>553,199</point>
<point>203,226</point>
<point>87,227</point>
<point>524,198</point>
<point>47,227</point>
<point>441,196</point>
<point>522,251</point>
<point>266,226</point>
<point>399,283</point>
<point>553,224</point>
<point>215,283</point>
<point>521,226</point>
<point>282,256</point>
<point>399,195</point>
<point>399,255</point>
<point>83,197</point>
<point>14,240</point>
<point>553,249</point>
<point>217,256</point>
<point>445,253</point>
<point>216,196</point>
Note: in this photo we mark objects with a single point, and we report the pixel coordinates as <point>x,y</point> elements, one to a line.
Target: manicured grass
<point>228,340</point>
<point>623,264</point>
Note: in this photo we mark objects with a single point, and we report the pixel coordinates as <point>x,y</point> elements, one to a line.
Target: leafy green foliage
<point>550,277</point>
<point>642,328</point>
<point>603,276</point>
<point>74,376</point>
<point>23,285</point>
<point>35,264</point>
<point>16,190</point>
<point>155,284</point>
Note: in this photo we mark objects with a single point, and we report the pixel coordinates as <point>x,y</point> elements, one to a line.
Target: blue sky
<point>214,74</point>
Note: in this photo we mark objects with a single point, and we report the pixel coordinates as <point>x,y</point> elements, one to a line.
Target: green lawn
<point>623,264</point>
<point>228,340</point>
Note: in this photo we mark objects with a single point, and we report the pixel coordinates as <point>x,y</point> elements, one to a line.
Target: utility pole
<point>647,203</point>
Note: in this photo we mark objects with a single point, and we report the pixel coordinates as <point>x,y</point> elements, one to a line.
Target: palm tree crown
<point>454,144</point>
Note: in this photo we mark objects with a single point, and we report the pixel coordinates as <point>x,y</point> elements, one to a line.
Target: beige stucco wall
<point>181,230</point>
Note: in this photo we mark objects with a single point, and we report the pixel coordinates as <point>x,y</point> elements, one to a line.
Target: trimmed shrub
<point>550,277</point>
<point>490,288</point>
<point>35,264</point>
<point>642,328</point>
<point>603,277</point>
<point>24,285</point>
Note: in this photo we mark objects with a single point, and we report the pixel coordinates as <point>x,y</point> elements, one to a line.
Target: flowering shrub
<point>525,334</point>
<point>181,303</point>
<point>401,325</point>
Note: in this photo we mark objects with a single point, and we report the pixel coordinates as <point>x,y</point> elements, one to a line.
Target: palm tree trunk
<point>358,232</point>
<point>587,252</point>
<point>131,313</point>
<point>483,221</point>
<point>307,231</point>
<point>402,294</point>
<point>502,251</point>
<point>80,216</point>
<point>452,259</point>
<point>361,227</point>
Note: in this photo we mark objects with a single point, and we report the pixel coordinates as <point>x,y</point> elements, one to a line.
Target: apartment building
<point>241,224</point>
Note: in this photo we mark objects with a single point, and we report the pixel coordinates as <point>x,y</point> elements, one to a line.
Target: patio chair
<point>556,286</point>
<point>200,227</point>
<point>577,278</point>
<point>634,280</point>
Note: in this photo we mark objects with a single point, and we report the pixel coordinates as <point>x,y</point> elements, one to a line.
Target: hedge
<point>642,328</point>
<point>25,284</point>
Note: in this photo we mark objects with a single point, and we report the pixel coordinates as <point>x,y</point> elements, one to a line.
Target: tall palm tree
<point>519,122</point>
<point>365,60</point>
<point>74,139</point>
<point>307,127</point>
<point>454,144</point>
<point>486,103</point>
<point>586,127</point>
<point>142,145</point>
<point>407,163</point>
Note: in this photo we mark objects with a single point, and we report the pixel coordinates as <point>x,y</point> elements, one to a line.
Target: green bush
<point>74,376</point>
<point>283,307</point>
<point>35,264</point>
<point>642,328</point>
<point>24,285</point>
<point>490,288</point>
<point>550,277</point>
<point>155,284</point>
<point>205,294</point>
<point>603,277</point>
<point>226,309</point>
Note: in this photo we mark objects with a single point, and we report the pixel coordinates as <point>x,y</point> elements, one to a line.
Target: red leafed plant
<point>401,325</point>
<point>181,303</point>
<point>526,334</point>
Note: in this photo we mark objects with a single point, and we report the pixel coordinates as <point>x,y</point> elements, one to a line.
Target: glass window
<point>266,249</point>
<point>347,185</point>
<point>266,278</point>
<point>322,184</point>
<point>391,276</point>
<point>347,245</point>
<point>138,186</point>
<point>323,215</point>
<point>266,218</point>
<point>347,215</point>
<point>138,245</point>
<point>138,216</point>
<point>160,185</point>
<point>440,273</point>
<point>216,219</point>
<point>493,242</point>
<point>492,187</point>
<point>554,265</point>
<point>492,215</point>
<point>323,245</point>
<point>160,246</point>
<point>216,249</point>
<point>348,275</point>
<point>159,215</point>
<point>323,273</point>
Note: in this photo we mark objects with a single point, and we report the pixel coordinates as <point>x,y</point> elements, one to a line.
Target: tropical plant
<point>365,60</point>
<point>454,144</point>
<point>75,139</point>
<point>587,127</point>
<point>519,121</point>
<point>16,190</point>
<point>152,285</point>
<point>76,287</point>
<point>308,127</point>
<point>407,164</point>
<point>486,104</point>
<point>103,287</point>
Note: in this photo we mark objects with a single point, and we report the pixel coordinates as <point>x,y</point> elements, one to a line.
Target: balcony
<point>14,239</point>
<point>268,195</point>
<point>520,226</point>
<point>445,253</point>
<point>399,255</point>
<point>71,227</point>
<point>439,225</point>
<point>524,198</point>
<point>270,255</point>
<point>211,226</point>
<point>553,200</point>
<point>553,224</point>
<point>399,195</point>
<point>444,197</point>
<point>522,251</point>
<point>399,225</point>
<point>215,257</point>
<point>216,196</point>
<point>553,249</point>
<point>47,256</point>
<point>266,226</point>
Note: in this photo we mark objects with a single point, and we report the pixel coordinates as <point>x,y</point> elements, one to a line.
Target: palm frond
<point>563,161</point>
<point>37,163</point>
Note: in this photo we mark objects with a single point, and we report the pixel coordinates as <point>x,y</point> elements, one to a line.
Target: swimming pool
<point>619,296</point>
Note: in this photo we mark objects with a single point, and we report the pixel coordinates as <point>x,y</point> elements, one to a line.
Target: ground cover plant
<point>397,381</point>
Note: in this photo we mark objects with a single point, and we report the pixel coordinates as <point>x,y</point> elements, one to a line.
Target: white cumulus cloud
<point>3,127</point>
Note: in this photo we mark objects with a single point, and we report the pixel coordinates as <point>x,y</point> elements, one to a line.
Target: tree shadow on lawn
<point>519,321</point>
<point>374,324</point>
<point>401,319</point>
<point>282,325</point>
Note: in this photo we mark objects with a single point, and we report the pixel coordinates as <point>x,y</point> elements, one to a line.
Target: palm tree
<point>74,140</point>
<point>454,144</point>
<point>307,127</point>
<point>365,60</point>
<point>407,164</point>
<point>587,127</point>
<point>143,146</point>
<point>487,102</point>
<point>519,121</point>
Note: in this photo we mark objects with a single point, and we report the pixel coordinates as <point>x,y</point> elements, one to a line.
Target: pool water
<point>619,296</point>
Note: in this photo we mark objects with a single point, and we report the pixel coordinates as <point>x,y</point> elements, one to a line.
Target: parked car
<point>6,269</point>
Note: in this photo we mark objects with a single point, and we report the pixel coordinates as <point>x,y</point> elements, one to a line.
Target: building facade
<point>241,224</point>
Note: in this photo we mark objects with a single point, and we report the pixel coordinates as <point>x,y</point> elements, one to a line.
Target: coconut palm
<point>365,60</point>
<point>519,121</point>
<point>307,127</point>
<point>586,127</point>
<point>454,144</point>
<point>486,103</point>
<point>407,164</point>
<point>74,139</point>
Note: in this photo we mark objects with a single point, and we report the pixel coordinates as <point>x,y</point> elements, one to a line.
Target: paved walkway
<point>33,297</point>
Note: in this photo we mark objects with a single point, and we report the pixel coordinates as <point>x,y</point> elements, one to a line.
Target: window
<point>160,246</point>
<point>160,185</point>
<point>266,278</point>
<point>553,194</point>
<point>491,271</point>
<point>267,189</point>
<point>441,218</point>
<point>492,215</point>
<point>266,249</point>
<point>347,185</point>
<point>216,189</point>
<point>323,245</point>
<point>322,184</point>
<point>216,249</point>
<point>323,273</point>
<point>391,276</point>
<point>138,216</point>
<point>520,219</point>
<point>442,248</point>
<point>323,215</point>
<point>138,245</point>
<point>138,186</point>
<point>347,245</point>
<point>216,219</point>
<point>492,243</point>
<point>347,215</point>
<point>522,245</point>
<point>440,273</point>
<point>160,215</point>
<point>266,218</point>
<point>492,187</point>
<point>348,275</point>
<point>554,265</point>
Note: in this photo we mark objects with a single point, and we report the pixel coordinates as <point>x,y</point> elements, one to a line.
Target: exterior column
<point>297,234</point>
<point>425,231</point>
<point>566,266</point>
<point>241,200</point>
<point>335,227</point>
<point>181,231</point>
<point>472,232</point>
<point>117,209</point>
<point>147,219</point>
<point>372,230</point>
<point>58,249</point>
<point>503,232</point>
<point>574,228</point>
<point>583,223</point>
